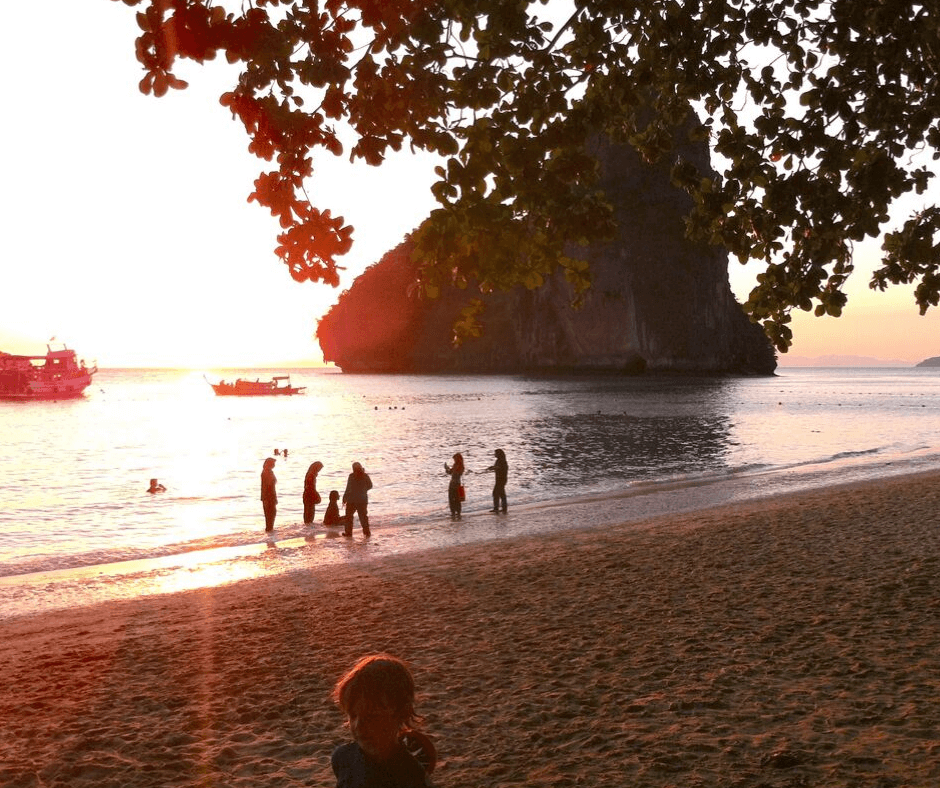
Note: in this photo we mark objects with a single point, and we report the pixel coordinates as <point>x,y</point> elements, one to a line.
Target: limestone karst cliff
<point>658,302</point>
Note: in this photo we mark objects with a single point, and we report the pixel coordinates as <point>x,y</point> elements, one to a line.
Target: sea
<point>79,527</point>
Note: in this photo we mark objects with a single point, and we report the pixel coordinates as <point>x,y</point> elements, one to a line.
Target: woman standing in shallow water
<point>453,490</point>
<point>311,496</point>
<point>499,487</point>
<point>269,493</point>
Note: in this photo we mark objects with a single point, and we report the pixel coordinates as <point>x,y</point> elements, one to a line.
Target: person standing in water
<point>311,496</point>
<point>269,493</point>
<point>499,487</point>
<point>453,489</point>
<point>356,499</point>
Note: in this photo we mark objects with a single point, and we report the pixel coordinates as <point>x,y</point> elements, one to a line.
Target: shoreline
<point>294,547</point>
<point>790,640</point>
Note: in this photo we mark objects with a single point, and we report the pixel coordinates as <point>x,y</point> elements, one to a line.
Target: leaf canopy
<point>821,116</point>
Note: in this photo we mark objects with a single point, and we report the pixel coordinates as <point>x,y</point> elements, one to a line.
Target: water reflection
<point>586,451</point>
<point>595,434</point>
<point>74,496</point>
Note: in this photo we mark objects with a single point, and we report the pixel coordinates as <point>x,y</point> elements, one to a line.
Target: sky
<point>126,231</point>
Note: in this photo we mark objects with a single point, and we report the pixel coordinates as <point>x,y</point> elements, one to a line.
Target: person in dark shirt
<point>499,486</point>
<point>377,695</point>
<point>356,499</point>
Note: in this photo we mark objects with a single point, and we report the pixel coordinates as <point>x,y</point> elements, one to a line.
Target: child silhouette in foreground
<point>332,510</point>
<point>377,695</point>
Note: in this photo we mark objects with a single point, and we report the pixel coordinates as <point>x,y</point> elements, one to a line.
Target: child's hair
<point>379,677</point>
<point>334,495</point>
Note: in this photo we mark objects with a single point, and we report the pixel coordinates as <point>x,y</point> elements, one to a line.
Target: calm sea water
<point>78,525</point>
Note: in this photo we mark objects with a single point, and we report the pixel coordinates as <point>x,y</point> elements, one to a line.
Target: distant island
<point>659,302</point>
<point>930,362</point>
<point>788,360</point>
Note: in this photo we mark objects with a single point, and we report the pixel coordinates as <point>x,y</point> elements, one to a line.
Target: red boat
<point>279,385</point>
<point>55,375</point>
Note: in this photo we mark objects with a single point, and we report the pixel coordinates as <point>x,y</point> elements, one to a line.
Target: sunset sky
<point>127,232</point>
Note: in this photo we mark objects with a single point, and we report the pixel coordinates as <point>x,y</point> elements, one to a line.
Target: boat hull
<point>54,376</point>
<point>228,392</point>
<point>62,389</point>
<point>279,386</point>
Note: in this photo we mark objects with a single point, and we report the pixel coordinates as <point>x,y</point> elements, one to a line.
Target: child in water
<point>377,696</point>
<point>332,510</point>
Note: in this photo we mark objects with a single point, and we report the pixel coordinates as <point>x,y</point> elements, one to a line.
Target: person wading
<point>269,493</point>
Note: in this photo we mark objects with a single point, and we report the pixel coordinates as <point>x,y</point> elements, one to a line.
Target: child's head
<point>334,496</point>
<point>377,695</point>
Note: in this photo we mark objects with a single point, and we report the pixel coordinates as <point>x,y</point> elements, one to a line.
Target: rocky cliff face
<point>658,303</point>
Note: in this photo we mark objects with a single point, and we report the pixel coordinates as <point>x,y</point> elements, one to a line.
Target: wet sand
<point>793,641</point>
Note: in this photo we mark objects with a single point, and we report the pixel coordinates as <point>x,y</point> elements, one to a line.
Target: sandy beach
<point>793,641</point>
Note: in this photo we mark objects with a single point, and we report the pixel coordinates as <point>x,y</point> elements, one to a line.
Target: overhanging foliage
<point>822,115</point>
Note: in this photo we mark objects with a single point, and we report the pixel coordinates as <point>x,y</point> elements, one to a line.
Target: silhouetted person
<point>356,499</point>
<point>332,510</point>
<point>311,496</point>
<point>155,487</point>
<point>269,493</point>
<point>453,489</point>
<point>499,487</point>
